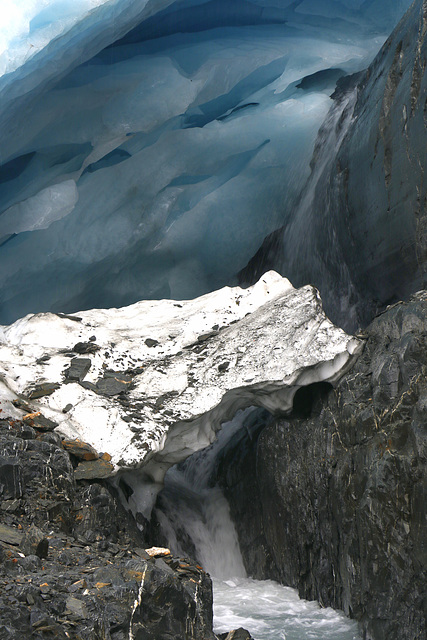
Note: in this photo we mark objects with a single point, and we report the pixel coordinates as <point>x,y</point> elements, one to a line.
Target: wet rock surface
<point>237,634</point>
<point>343,493</point>
<point>364,247</point>
<point>72,560</point>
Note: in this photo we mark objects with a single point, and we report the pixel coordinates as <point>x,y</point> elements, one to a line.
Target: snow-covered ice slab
<point>183,367</point>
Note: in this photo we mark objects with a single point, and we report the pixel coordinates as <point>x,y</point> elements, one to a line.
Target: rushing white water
<point>195,519</point>
<point>194,515</point>
<point>273,612</point>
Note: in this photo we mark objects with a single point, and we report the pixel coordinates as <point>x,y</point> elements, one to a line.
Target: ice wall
<point>156,166</point>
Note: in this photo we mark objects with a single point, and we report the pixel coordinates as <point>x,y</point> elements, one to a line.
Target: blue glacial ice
<point>149,147</point>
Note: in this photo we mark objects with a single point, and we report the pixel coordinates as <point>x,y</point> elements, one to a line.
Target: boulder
<point>237,634</point>
<point>78,369</point>
<point>93,469</point>
<point>85,347</point>
<point>113,384</point>
<point>37,420</point>
<point>43,389</point>
<point>10,535</point>
<point>180,605</point>
<point>35,543</point>
<point>80,449</point>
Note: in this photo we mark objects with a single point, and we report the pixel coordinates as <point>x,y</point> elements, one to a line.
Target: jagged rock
<point>26,432</point>
<point>86,347</point>
<point>10,505</point>
<point>10,535</point>
<point>342,494</point>
<point>97,581</point>
<point>81,450</point>
<point>112,385</point>
<point>76,607</point>
<point>40,468</point>
<point>141,553</point>
<point>78,368</point>
<point>44,389</point>
<point>93,469</point>
<point>35,543</point>
<point>96,515</point>
<point>39,421</point>
<point>17,402</point>
<point>10,478</point>
<point>171,601</point>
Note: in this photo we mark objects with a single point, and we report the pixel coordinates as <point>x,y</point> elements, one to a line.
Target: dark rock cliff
<point>360,231</point>
<point>339,499</point>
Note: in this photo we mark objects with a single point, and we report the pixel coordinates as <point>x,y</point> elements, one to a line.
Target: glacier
<point>163,149</point>
<point>185,368</point>
<point>149,147</point>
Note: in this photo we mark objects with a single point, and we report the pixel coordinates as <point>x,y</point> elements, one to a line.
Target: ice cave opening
<point>148,148</point>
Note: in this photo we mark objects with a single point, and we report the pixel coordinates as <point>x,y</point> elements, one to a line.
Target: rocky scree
<point>72,560</point>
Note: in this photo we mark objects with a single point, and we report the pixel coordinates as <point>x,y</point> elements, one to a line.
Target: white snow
<point>214,355</point>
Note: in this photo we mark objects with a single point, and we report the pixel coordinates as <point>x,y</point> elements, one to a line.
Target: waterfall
<point>193,514</point>
<point>310,247</point>
<point>193,519</point>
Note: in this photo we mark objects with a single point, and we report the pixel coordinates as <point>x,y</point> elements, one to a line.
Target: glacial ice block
<point>159,378</point>
<point>38,212</point>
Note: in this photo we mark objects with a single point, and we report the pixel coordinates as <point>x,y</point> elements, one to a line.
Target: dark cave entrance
<point>308,400</point>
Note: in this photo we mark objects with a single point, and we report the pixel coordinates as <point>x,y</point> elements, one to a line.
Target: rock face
<point>343,493</point>
<point>373,248</point>
<point>164,375</point>
<point>72,561</point>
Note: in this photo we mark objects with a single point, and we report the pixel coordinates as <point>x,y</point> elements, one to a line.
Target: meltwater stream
<point>195,520</point>
<point>273,612</point>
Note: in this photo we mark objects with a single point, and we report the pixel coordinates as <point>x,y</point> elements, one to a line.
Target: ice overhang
<point>153,382</point>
